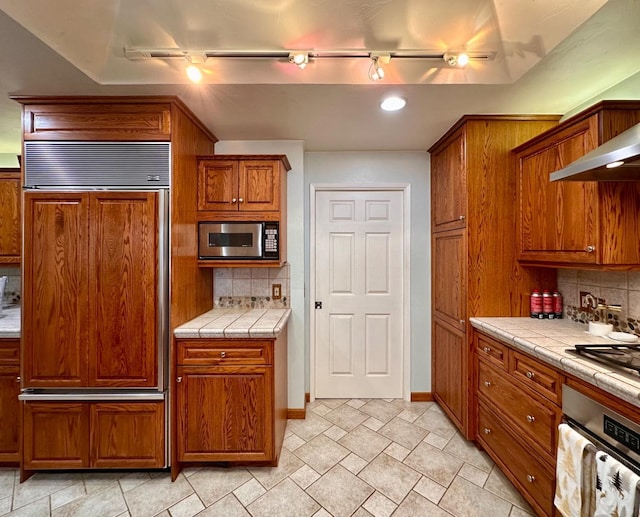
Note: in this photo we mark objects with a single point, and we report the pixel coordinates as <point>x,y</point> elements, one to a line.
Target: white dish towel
<point>616,488</point>
<point>574,474</point>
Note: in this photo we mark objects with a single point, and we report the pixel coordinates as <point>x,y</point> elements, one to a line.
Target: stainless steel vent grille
<point>97,164</point>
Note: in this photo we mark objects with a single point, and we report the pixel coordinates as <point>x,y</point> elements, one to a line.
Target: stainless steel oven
<point>239,240</point>
<point>606,429</point>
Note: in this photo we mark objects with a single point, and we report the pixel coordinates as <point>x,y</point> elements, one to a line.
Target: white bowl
<point>597,328</point>
<point>623,336</point>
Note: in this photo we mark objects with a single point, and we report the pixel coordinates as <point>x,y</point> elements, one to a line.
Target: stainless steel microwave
<point>239,240</point>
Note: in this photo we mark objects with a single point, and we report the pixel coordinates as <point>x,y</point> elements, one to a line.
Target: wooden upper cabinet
<point>572,222</point>
<point>242,184</point>
<point>88,258</point>
<point>10,213</point>
<point>104,118</point>
<point>449,208</point>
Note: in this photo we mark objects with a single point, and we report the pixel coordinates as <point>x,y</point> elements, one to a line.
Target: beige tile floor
<point>348,457</point>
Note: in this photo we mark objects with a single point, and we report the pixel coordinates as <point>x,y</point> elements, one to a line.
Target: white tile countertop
<point>235,324</point>
<point>548,340</point>
<point>10,322</point>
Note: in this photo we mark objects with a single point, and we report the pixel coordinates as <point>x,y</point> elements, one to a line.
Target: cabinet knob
<point>223,354</point>
<point>241,200</point>
<point>530,478</point>
<point>487,383</point>
<point>487,430</point>
<point>531,375</point>
<point>590,249</point>
<point>461,322</point>
<point>18,379</point>
<point>487,349</point>
<point>234,200</point>
<point>179,379</point>
<point>531,418</point>
<point>461,218</point>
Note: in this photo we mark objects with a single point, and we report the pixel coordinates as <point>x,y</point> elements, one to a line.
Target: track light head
<point>194,67</point>
<point>456,60</point>
<point>376,72</point>
<point>300,59</point>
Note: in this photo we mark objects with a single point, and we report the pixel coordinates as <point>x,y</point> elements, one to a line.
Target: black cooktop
<point>625,356</point>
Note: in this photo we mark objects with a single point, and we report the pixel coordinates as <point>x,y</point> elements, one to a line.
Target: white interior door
<point>359,260</point>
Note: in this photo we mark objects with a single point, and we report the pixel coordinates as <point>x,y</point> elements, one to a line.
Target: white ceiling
<point>550,57</point>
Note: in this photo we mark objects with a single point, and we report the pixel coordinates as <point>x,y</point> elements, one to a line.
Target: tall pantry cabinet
<point>474,268</point>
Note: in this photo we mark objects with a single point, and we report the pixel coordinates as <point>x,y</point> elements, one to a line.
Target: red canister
<point>536,304</point>
<point>547,304</point>
<point>557,304</point>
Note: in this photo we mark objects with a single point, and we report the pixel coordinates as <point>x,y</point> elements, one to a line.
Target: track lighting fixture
<point>376,72</point>
<point>458,60</point>
<point>194,72</point>
<point>299,59</point>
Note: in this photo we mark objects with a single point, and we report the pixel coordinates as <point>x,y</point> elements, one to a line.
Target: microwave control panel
<point>271,248</point>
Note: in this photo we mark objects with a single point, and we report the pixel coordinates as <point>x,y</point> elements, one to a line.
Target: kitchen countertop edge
<point>235,324</point>
<point>10,323</point>
<point>548,340</point>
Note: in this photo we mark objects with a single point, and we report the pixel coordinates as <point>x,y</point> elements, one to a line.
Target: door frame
<point>405,188</point>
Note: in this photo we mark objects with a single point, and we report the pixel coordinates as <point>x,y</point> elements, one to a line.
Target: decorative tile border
<point>251,302</point>
<point>619,321</point>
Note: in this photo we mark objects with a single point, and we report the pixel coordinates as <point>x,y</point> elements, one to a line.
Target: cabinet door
<point>127,434</point>
<point>449,191</point>
<point>218,185</point>
<point>9,413</point>
<point>259,186</point>
<point>225,413</point>
<point>55,435</point>
<point>10,223</point>
<point>449,277</point>
<point>558,220</point>
<point>449,370</point>
<point>56,284</point>
<point>123,344</point>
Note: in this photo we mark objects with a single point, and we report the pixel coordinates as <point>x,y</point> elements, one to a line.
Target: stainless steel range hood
<point>593,166</point>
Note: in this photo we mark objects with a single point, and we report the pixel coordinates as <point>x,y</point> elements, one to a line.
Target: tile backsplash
<point>250,287</point>
<point>614,287</point>
<point>12,290</point>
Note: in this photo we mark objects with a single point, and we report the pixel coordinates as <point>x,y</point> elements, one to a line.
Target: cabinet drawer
<point>492,351</point>
<point>9,352</point>
<point>541,378</point>
<point>525,410</point>
<point>535,480</point>
<point>225,352</point>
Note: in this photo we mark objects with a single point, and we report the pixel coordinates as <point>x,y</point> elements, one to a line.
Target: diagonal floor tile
<point>464,499</point>
<point>433,463</point>
<point>38,508</point>
<point>469,453</point>
<point>104,502</point>
<point>364,442</point>
<point>321,453</point>
<point>340,492</point>
<point>157,494</point>
<point>212,484</point>
<point>404,433</point>
<point>228,506</point>
<point>310,427</point>
<point>380,409</point>
<point>436,422</point>
<point>284,500</point>
<point>346,417</point>
<point>271,476</point>
<point>414,505</point>
<point>390,477</point>
<point>42,485</point>
<point>498,484</point>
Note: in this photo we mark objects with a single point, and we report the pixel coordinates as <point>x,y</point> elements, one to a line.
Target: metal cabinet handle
<point>179,379</point>
<point>531,375</point>
<point>223,354</point>
<point>487,349</point>
<point>487,383</point>
<point>234,200</point>
<point>531,418</point>
<point>530,478</point>
<point>590,249</point>
<point>461,218</point>
<point>487,430</point>
<point>241,200</point>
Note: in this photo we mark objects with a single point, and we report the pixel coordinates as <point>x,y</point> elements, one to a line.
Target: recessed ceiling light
<point>393,103</point>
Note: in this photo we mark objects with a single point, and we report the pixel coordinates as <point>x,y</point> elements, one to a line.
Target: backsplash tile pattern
<point>12,291</point>
<point>614,287</point>
<point>250,288</point>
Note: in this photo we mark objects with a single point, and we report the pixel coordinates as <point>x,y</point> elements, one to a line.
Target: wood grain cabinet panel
<point>564,223</point>
<point>218,185</point>
<point>10,216</point>
<point>259,189</point>
<point>88,256</point>
<point>9,414</point>
<point>55,435</point>
<point>474,268</point>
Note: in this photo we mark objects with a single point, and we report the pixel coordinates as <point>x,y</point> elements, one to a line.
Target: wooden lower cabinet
<point>231,400</point>
<point>9,414</point>
<point>77,435</point>
<point>518,410</point>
